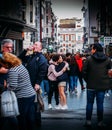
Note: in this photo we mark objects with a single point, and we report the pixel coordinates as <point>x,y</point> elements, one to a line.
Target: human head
<point>7,45</point>
<point>9,60</point>
<point>61,58</point>
<point>77,55</point>
<point>55,57</point>
<point>96,48</point>
<point>68,55</point>
<point>37,47</point>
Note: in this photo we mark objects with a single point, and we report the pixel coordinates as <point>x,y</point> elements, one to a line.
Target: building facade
<point>13,21</point>
<point>70,35</point>
<point>97,16</point>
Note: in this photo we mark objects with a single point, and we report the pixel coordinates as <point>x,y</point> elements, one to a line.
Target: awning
<point>16,25</point>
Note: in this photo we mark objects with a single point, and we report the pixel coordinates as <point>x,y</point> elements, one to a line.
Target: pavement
<point>76,106</point>
<point>74,117</point>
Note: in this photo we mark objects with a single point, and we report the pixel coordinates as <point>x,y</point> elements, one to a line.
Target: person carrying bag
<point>9,104</point>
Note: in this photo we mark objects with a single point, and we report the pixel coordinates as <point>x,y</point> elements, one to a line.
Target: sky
<point>67,8</point>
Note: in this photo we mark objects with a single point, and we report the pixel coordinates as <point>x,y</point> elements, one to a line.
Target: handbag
<point>40,101</point>
<point>9,105</point>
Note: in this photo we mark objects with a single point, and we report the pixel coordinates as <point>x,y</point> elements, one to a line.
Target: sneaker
<point>107,95</point>
<point>73,92</point>
<point>87,123</point>
<point>76,90</point>
<point>66,92</point>
<point>58,107</point>
<point>65,107</point>
<point>50,106</point>
<point>101,124</point>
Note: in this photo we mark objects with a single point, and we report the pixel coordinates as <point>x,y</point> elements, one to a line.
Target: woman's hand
<point>37,87</point>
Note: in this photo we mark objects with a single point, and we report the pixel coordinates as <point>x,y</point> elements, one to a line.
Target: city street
<point>74,117</point>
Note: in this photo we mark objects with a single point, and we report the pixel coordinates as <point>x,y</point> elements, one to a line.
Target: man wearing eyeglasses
<point>6,46</point>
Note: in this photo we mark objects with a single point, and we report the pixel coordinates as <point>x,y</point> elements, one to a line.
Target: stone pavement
<point>76,107</point>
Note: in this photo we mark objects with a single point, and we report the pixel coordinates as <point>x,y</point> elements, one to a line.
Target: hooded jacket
<point>95,71</point>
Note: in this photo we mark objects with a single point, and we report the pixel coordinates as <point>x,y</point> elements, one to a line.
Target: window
<point>79,38</point>
<point>67,38</point>
<point>31,16</point>
<point>31,2</point>
<point>36,11</point>
<point>46,19</point>
<point>46,30</point>
<point>47,11</point>
<point>61,37</point>
<point>72,37</point>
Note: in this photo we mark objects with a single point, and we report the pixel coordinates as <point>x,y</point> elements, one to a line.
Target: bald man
<point>37,66</point>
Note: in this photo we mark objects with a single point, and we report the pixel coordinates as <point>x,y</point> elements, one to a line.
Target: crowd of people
<point>53,73</point>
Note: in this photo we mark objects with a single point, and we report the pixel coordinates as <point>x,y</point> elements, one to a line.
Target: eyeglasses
<point>8,47</point>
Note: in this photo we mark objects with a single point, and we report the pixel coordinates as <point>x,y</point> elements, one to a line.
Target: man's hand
<point>37,87</point>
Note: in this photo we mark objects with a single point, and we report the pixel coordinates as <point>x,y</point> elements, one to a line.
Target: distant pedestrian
<point>95,72</point>
<point>62,81</point>
<point>79,61</point>
<point>73,75</point>
<point>53,84</point>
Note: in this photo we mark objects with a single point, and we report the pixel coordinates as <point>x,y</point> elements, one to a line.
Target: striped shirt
<point>19,81</point>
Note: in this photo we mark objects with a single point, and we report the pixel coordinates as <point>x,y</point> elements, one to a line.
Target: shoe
<point>76,90</point>
<point>101,124</point>
<point>87,123</point>
<point>107,95</point>
<point>83,88</point>
<point>65,107</point>
<point>73,92</point>
<point>66,92</point>
<point>50,106</point>
<point>58,107</point>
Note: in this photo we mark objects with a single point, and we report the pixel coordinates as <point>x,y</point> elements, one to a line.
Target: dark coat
<point>95,71</point>
<point>64,76</point>
<point>37,66</point>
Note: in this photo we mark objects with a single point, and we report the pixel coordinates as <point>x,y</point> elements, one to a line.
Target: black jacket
<point>37,66</point>
<point>64,76</point>
<point>95,71</point>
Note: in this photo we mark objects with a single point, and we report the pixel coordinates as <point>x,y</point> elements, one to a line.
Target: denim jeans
<point>91,95</point>
<point>45,87</point>
<point>27,117</point>
<point>73,82</point>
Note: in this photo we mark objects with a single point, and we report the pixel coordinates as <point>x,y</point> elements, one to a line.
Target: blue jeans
<point>45,87</point>
<point>91,94</point>
<point>73,82</point>
<point>27,117</point>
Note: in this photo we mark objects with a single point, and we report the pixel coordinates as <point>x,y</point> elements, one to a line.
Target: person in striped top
<point>19,81</point>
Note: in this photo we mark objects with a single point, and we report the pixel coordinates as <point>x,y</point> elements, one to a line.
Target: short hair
<point>55,57</point>
<point>6,41</point>
<point>68,54</point>
<point>98,47</point>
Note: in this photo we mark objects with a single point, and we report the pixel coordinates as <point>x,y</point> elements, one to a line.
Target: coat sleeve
<point>56,73</point>
<point>85,69</point>
<point>42,71</point>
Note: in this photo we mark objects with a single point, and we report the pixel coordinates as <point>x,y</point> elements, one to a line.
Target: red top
<point>79,62</point>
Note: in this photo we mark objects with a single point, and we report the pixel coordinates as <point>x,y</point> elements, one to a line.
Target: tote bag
<point>9,105</point>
